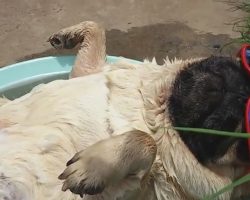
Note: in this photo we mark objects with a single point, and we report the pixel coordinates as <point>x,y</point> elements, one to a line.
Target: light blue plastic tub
<point>18,79</point>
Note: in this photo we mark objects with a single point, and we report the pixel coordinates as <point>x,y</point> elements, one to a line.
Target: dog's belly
<point>78,107</point>
<point>46,128</point>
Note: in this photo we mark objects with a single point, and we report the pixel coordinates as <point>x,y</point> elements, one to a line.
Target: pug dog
<point>108,132</point>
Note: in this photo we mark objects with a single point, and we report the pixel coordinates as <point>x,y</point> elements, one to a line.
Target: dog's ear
<point>210,93</point>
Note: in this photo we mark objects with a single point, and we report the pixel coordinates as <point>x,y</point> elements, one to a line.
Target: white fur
<point>45,128</point>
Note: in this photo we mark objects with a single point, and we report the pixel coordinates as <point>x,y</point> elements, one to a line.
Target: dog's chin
<point>234,163</point>
<point>228,170</point>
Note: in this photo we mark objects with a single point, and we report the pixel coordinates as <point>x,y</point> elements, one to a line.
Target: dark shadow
<point>159,40</point>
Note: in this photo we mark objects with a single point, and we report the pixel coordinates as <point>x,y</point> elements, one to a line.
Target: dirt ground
<point>135,28</point>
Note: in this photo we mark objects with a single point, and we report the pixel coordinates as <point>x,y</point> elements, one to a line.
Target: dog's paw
<point>62,40</point>
<point>85,174</point>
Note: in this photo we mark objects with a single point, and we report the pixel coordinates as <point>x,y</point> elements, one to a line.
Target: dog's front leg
<point>92,53</point>
<point>109,162</point>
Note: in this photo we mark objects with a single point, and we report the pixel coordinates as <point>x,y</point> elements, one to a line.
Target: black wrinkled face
<point>211,93</point>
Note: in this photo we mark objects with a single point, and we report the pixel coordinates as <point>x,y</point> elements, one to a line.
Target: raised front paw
<point>85,174</point>
<point>62,40</point>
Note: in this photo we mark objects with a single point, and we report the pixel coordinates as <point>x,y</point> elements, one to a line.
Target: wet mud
<point>158,40</point>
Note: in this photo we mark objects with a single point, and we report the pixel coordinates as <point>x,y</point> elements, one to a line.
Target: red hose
<point>244,61</point>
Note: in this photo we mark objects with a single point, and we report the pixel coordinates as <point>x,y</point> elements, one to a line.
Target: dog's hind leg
<point>110,162</point>
<point>92,53</point>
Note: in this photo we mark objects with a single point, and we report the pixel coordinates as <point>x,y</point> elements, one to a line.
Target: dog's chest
<point>129,96</point>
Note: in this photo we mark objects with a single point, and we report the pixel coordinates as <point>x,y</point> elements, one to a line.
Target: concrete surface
<point>135,28</point>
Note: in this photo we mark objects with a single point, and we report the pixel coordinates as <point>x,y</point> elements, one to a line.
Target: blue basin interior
<point>18,79</point>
